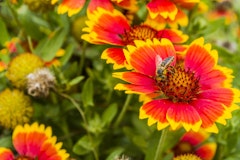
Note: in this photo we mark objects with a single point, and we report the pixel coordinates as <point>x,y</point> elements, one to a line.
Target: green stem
<point>220,146</point>
<point>14,13</point>
<point>82,57</point>
<point>75,104</point>
<point>160,147</point>
<point>30,44</point>
<point>83,117</point>
<point>123,111</point>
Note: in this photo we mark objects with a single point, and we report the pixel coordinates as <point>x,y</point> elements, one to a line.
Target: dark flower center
<point>24,158</point>
<point>183,148</point>
<point>141,32</point>
<point>179,85</point>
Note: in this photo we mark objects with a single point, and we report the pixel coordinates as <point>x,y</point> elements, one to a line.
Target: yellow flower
<point>15,108</point>
<point>21,66</point>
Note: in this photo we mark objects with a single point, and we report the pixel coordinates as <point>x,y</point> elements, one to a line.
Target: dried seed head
<point>40,82</point>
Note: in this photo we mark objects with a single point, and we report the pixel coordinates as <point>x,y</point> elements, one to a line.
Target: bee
<point>162,65</point>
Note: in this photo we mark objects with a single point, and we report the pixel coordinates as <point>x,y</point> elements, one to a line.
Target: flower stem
<point>124,109</point>
<point>159,151</point>
<point>82,60</point>
<point>30,44</point>
<point>83,117</point>
<point>74,103</point>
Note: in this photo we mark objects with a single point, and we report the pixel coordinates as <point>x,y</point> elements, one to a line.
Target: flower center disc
<point>24,158</point>
<point>141,32</point>
<point>180,85</point>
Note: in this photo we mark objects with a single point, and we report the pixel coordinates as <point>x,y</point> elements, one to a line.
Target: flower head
<point>3,66</point>
<point>40,82</point>
<point>21,66</point>
<point>195,143</point>
<point>223,10</point>
<point>191,91</point>
<point>112,27</point>
<point>170,11</point>
<point>34,142</point>
<point>15,108</point>
<point>74,6</point>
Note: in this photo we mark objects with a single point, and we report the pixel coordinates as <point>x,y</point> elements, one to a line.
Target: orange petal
<point>137,89</point>
<point>114,56</point>
<point>200,58</point>
<point>142,57</point>
<point>155,111</point>
<point>105,27</point>
<point>207,151</point>
<point>195,138</point>
<point>6,154</point>
<point>183,114</point>
<point>175,36</point>
<point>28,139</point>
<point>210,112</point>
<point>163,7</point>
<point>71,6</point>
<point>94,4</point>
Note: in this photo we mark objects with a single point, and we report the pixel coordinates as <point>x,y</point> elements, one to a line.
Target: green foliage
<point>93,120</point>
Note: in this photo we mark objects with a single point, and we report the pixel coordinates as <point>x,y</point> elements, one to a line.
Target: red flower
<point>191,91</point>
<point>195,143</point>
<point>74,6</point>
<point>34,142</point>
<point>169,11</point>
<point>112,27</point>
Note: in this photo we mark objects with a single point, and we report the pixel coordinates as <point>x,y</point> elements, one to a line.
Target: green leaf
<point>109,114</point>
<point>76,80</point>
<point>115,153</point>
<point>48,47</point>
<point>6,141</point>
<point>31,23</point>
<point>67,55</point>
<point>87,93</point>
<point>4,36</point>
<point>86,144</point>
<point>213,26</point>
<point>83,146</point>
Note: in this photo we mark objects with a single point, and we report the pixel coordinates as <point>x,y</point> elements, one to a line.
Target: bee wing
<point>158,61</point>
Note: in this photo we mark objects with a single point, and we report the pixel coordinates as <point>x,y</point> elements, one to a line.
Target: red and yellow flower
<point>74,6</point>
<point>223,10</point>
<point>194,93</point>
<point>112,27</point>
<point>195,143</point>
<point>34,142</point>
<point>3,66</point>
<point>169,11</point>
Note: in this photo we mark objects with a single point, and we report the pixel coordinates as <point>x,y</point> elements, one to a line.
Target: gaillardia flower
<point>170,11</point>
<point>40,82</point>
<point>191,91</point>
<point>20,66</point>
<point>112,27</point>
<point>195,143</point>
<point>223,10</point>
<point>74,6</point>
<point>15,108</point>
<point>3,66</point>
<point>34,142</point>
